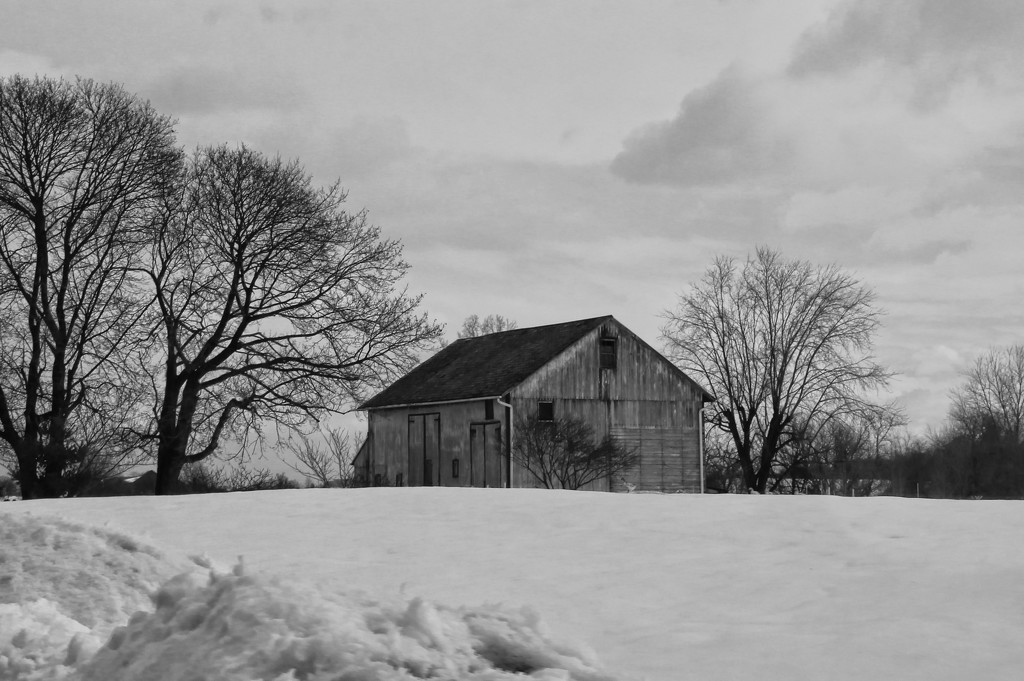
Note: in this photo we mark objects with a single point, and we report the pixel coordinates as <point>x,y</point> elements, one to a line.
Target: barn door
<point>485,461</point>
<point>431,450</point>
<point>424,445</point>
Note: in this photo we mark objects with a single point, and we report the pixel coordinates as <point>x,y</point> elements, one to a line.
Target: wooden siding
<point>663,433</point>
<point>644,394</point>
<point>668,460</point>
<point>396,431</point>
<point>641,372</point>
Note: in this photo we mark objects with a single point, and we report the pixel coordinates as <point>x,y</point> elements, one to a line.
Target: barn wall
<point>389,433</point>
<point>644,403</point>
<point>641,373</point>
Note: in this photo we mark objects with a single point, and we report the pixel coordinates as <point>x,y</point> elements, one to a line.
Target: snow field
<point>661,587</point>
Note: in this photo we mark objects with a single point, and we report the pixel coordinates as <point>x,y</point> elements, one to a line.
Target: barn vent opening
<point>545,410</point>
<point>609,354</point>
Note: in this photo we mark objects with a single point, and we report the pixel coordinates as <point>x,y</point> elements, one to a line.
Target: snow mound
<point>238,626</point>
<point>64,588</point>
<point>83,604</point>
<point>40,643</point>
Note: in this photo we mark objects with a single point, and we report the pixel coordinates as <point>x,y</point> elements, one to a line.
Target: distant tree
<point>82,168</point>
<point>473,326</point>
<point>199,478</point>
<point>992,395</point>
<point>985,464</point>
<point>565,454</point>
<point>274,304</point>
<point>324,458</point>
<point>9,487</point>
<point>845,454</point>
<point>778,343</point>
<point>722,470</point>
<point>980,453</point>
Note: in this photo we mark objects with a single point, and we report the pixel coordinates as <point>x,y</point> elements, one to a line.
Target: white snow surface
<point>499,584</point>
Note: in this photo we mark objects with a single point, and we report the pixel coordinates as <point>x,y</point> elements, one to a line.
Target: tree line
<point>786,349</point>
<point>156,303</point>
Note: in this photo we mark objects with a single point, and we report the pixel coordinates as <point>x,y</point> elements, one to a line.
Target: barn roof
<point>485,366</point>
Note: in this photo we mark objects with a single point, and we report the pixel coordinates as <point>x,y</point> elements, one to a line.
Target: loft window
<point>455,468</point>
<point>545,411</point>
<point>489,410</point>
<point>609,356</point>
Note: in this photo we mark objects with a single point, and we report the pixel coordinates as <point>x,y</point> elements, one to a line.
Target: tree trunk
<point>749,475</point>
<point>169,462</point>
<point>27,476</point>
<point>174,431</point>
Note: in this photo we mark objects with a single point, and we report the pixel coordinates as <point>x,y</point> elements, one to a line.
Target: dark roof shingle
<point>485,366</point>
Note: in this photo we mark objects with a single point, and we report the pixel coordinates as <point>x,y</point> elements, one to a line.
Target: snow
<point>65,588</point>
<point>492,584</point>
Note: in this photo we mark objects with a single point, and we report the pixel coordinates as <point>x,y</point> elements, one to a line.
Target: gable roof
<point>485,366</point>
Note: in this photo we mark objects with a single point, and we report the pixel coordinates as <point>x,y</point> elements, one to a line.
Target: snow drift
<point>64,588</point>
<point>82,604</point>
<point>245,627</point>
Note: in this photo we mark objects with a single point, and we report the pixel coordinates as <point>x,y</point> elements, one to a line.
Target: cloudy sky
<point>552,160</point>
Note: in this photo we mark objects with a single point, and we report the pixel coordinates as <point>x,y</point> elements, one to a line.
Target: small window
<point>489,410</point>
<point>455,468</point>
<point>609,356</point>
<point>545,411</point>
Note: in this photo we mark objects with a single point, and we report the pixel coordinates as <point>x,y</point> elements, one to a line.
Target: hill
<point>653,586</point>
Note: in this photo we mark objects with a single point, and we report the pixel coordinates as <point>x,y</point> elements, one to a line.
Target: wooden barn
<point>451,420</point>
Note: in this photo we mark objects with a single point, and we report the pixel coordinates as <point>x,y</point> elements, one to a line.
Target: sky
<point>557,160</point>
<point>470,584</point>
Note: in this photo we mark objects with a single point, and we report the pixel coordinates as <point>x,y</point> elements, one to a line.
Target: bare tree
<point>722,470</point>
<point>778,342</point>
<point>198,478</point>
<point>82,166</point>
<point>473,326</point>
<point>565,454</point>
<point>325,458</point>
<point>841,454</point>
<point>274,304</point>
<point>992,394</point>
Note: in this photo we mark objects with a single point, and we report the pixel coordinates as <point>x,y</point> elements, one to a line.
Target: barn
<point>451,420</point>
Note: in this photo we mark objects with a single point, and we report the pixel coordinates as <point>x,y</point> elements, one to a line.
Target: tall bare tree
<point>992,394</point>
<point>778,342</point>
<point>274,304</point>
<point>82,167</point>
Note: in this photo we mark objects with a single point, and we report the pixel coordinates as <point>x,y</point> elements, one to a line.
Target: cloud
<point>203,89</point>
<point>371,143</point>
<point>13,61</point>
<point>281,11</point>
<point>724,132</point>
<point>940,43</point>
<point>994,176</point>
<point>356,150</point>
